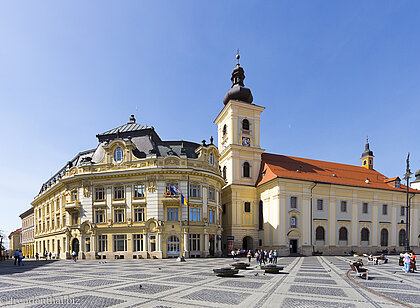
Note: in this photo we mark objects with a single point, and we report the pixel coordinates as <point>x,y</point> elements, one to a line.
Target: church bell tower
<point>367,157</point>
<point>240,159</point>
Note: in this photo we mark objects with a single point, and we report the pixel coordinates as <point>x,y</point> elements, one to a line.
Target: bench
<point>360,274</point>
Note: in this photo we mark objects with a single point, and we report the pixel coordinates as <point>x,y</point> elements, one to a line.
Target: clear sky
<point>328,72</point>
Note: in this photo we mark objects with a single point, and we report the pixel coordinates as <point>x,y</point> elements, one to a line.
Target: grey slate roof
<point>129,127</point>
<point>146,142</point>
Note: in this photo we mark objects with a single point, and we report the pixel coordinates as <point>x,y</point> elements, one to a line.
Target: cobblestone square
<point>304,282</point>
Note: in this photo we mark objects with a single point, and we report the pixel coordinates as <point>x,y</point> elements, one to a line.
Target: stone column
<point>206,243</point>
<point>185,243</point>
<point>219,242</point>
<point>159,241</point>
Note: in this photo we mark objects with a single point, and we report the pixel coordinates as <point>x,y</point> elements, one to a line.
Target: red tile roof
<point>281,166</point>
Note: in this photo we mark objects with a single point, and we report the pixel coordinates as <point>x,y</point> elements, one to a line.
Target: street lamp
<point>1,247</point>
<point>407,177</point>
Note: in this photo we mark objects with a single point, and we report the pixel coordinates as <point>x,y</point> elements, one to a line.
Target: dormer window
<point>118,155</point>
<point>211,159</point>
<point>224,130</point>
<point>397,183</point>
<point>245,124</point>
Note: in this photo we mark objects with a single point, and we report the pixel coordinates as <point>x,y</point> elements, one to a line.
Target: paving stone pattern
<point>305,282</point>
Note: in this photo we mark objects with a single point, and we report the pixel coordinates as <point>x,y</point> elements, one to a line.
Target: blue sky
<point>328,72</point>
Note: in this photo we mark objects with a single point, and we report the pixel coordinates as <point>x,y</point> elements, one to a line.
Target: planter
<point>225,272</point>
<point>240,265</point>
<point>271,268</point>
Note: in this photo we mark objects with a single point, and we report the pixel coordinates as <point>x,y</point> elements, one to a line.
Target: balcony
<point>74,205</point>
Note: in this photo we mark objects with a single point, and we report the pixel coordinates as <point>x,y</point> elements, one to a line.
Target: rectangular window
<point>118,192</point>
<point>402,210</point>
<point>212,194</point>
<point>195,191</point>
<point>172,213</point>
<point>194,214</point>
<point>293,202</point>
<point>137,242</point>
<point>365,208</point>
<point>343,206</point>
<point>293,222</point>
<point>99,193</point>
<point>74,219</point>
<point>119,215</point>
<point>102,243</point>
<point>195,242</point>
<point>247,207</point>
<point>73,196</point>
<point>172,189</point>
<point>212,216</point>
<point>139,214</point>
<point>99,216</point>
<point>120,242</point>
<point>319,204</point>
<point>139,191</point>
<point>384,209</point>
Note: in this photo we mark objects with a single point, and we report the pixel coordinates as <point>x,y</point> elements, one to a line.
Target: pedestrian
<point>262,260</point>
<point>20,258</point>
<point>16,256</point>
<point>265,255</point>
<point>413,261</point>
<point>37,256</point>
<point>50,254</point>
<point>275,255</point>
<point>249,255</point>
<point>257,256</point>
<point>74,255</point>
<point>407,262</point>
<point>270,257</point>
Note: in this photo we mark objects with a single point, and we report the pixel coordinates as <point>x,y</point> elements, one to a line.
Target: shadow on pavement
<point>7,267</point>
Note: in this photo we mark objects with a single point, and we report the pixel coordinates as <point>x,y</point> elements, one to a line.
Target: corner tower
<point>367,157</point>
<point>240,158</point>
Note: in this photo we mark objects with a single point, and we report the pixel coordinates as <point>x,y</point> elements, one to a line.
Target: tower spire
<point>367,156</point>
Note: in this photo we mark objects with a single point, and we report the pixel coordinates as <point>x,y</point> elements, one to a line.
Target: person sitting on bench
<point>359,266</point>
<point>383,258</point>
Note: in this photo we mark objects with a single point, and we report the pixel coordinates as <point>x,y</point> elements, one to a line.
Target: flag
<point>168,192</point>
<point>184,201</point>
<point>175,190</point>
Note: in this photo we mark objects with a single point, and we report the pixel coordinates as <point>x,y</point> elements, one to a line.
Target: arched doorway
<point>75,245</point>
<point>247,243</point>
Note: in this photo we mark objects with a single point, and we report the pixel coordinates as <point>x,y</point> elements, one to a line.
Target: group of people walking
<point>408,260</point>
<point>264,256</point>
<point>18,255</point>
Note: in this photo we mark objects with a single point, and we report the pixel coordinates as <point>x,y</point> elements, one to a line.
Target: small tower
<point>367,156</point>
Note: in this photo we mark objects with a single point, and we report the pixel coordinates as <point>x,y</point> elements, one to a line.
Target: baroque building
<point>133,196</point>
<point>300,205</point>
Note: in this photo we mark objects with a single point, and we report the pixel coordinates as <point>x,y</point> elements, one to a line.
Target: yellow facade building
<point>27,234</point>
<point>298,205</point>
<point>133,196</point>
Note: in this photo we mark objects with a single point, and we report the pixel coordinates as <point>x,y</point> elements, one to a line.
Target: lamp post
<point>1,247</point>
<point>407,177</point>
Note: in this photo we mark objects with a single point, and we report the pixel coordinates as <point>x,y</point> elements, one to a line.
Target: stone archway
<point>247,243</point>
<point>75,245</point>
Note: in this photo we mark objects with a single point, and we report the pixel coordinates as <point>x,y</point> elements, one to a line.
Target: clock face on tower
<point>246,141</point>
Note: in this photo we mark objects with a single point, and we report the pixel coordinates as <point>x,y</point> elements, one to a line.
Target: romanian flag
<point>168,192</point>
<point>184,201</point>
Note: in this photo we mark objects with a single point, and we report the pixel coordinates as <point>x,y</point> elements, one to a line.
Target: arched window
<point>364,235</point>
<point>224,130</point>
<point>401,237</point>
<point>224,172</point>
<point>118,155</point>
<point>293,222</point>
<point>246,170</point>
<point>173,244</point>
<point>245,124</point>
<point>384,237</point>
<point>342,234</point>
<point>320,234</point>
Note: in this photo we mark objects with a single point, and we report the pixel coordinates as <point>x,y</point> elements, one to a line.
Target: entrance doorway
<point>247,243</point>
<point>211,245</point>
<point>75,245</point>
<point>293,246</point>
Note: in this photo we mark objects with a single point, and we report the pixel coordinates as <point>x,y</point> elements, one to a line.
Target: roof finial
<point>237,57</point>
<point>132,119</point>
<point>367,139</point>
